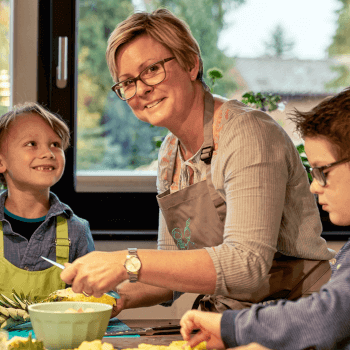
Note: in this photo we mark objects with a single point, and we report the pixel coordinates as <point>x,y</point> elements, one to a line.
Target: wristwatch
<point>132,265</point>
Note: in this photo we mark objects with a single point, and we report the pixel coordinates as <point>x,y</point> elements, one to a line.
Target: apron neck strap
<point>208,145</point>
<point>2,254</point>
<point>62,240</point>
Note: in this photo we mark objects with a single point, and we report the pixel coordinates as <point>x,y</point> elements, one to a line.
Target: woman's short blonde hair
<point>162,26</point>
<point>55,122</point>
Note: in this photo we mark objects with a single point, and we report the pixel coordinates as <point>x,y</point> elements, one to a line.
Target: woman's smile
<point>154,103</point>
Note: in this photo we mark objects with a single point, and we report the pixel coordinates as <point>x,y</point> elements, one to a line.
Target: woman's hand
<point>208,324</point>
<point>95,273</point>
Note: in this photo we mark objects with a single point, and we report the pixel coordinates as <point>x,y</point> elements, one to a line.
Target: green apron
<point>38,283</point>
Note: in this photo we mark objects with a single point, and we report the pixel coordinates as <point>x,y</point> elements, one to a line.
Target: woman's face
<point>167,103</point>
<point>335,196</point>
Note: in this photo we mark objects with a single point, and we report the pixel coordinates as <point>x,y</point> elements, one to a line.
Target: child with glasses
<point>33,221</point>
<point>320,321</point>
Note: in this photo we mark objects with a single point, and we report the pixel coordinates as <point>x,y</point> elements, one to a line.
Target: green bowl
<point>68,330</point>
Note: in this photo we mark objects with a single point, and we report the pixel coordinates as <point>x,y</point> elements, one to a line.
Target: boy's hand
<point>208,324</point>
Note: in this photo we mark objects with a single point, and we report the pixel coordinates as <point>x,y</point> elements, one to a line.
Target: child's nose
<point>315,187</point>
<point>47,153</point>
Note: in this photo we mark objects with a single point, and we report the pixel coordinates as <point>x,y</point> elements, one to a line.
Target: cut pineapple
<point>14,312</point>
<point>68,295</point>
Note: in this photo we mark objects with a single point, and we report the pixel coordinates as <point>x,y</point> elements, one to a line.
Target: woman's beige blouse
<point>257,170</point>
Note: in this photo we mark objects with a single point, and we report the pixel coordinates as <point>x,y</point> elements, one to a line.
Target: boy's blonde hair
<point>162,26</point>
<point>55,122</point>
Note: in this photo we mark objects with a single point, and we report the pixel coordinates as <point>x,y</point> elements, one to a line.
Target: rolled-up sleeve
<point>251,172</point>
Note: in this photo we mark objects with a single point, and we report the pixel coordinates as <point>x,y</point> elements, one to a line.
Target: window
<point>109,191</point>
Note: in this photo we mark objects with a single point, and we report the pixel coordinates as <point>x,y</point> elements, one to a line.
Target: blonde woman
<point>237,223</point>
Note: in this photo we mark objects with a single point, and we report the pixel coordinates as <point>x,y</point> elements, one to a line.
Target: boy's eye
<point>31,143</point>
<point>56,144</point>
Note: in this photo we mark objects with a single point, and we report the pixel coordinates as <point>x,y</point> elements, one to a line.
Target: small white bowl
<point>59,330</point>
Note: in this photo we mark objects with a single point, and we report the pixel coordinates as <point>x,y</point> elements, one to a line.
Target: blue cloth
<point>114,325</point>
<point>321,320</point>
<point>26,255</point>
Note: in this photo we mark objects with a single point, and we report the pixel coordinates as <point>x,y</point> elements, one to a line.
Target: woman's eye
<point>127,83</point>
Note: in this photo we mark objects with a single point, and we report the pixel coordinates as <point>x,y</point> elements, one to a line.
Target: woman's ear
<point>194,70</point>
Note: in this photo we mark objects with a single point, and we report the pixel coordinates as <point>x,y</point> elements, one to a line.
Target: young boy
<point>320,321</point>
<point>33,221</point>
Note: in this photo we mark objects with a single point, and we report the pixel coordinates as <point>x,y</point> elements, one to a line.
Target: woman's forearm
<point>190,271</point>
<point>142,295</point>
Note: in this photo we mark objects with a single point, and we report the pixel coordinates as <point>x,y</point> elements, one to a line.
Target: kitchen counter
<point>133,342</point>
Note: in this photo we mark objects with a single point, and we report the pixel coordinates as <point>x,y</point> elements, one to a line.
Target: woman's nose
<point>142,88</point>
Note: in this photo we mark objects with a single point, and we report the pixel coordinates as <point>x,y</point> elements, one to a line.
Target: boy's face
<point>31,154</point>
<point>335,196</point>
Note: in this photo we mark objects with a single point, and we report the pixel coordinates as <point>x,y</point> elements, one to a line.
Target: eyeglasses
<point>152,75</point>
<point>318,174</point>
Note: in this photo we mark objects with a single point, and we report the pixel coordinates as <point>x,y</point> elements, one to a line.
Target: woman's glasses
<point>318,174</point>
<point>152,75</point>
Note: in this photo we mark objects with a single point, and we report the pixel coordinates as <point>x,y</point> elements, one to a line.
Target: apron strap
<point>2,254</point>
<point>207,153</point>
<point>208,144</point>
<point>62,241</point>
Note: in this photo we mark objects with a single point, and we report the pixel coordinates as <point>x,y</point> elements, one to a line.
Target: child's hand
<point>208,324</point>
<point>251,346</point>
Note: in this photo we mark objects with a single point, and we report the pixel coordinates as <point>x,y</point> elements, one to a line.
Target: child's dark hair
<point>55,122</point>
<point>330,119</point>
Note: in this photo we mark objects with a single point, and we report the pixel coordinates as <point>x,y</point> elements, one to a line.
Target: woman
<point>237,222</point>
<point>320,321</point>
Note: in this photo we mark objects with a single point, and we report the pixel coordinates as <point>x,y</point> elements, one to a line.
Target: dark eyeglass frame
<point>134,80</point>
<point>318,174</point>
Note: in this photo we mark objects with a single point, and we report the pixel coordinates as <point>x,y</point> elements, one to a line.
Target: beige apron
<point>195,217</point>
<point>37,283</point>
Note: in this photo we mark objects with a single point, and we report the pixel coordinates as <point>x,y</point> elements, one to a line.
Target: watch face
<point>133,264</point>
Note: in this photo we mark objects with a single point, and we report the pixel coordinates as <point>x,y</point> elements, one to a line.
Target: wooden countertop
<point>133,342</point>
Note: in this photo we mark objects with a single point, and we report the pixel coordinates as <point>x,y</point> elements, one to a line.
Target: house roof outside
<point>285,76</point>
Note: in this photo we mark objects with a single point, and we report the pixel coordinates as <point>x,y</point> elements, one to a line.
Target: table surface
<point>128,342</point>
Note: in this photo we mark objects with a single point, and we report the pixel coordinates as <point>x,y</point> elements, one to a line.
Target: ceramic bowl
<point>59,330</point>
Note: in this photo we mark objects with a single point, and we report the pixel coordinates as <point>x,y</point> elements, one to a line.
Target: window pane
<point>110,137</point>
<point>258,47</point>
<point>4,56</point>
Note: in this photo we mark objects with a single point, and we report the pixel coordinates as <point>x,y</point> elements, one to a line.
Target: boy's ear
<point>194,70</point>
<point>2,164</point>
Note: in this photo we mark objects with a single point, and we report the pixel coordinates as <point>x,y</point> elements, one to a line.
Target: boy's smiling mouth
<point>44,168</point>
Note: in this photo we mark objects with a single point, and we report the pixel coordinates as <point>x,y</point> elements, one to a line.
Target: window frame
<point>135,216</point>
<point>136,213</point>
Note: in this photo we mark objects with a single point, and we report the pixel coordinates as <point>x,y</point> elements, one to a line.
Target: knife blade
<point>172,329</point>
<point>111,293</point>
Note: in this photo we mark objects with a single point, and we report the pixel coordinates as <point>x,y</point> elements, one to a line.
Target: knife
<point>172,329</point>
<point>111,293</point>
